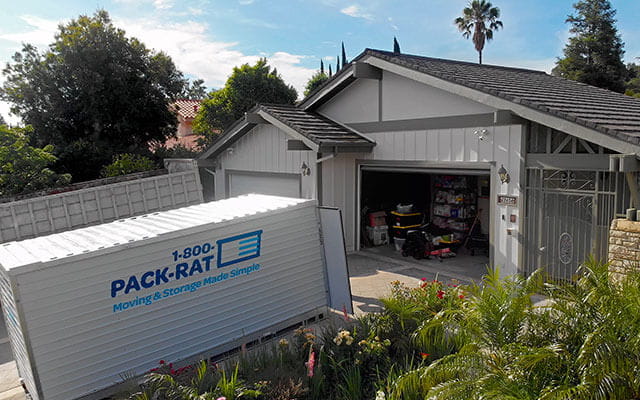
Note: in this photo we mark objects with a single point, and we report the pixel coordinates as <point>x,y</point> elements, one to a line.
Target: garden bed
<point>441,340</point>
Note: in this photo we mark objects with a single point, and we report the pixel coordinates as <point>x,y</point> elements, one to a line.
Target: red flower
<point>461,296</point>
<point>161,362</point>
<point>424,355</point>
<point>440,294</point>
<point>423,279</point>
<point>311,364</point>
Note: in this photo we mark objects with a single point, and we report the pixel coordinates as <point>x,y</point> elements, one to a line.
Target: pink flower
<point>221,398</point>
<point>423,279</point>
<point>344,312</point>
<point>311,364</point>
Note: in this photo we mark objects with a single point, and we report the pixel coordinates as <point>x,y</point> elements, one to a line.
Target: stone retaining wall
<point>624,245</point>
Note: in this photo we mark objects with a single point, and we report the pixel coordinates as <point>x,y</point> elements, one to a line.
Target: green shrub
<point>127,163</point>
<point>24,168</point>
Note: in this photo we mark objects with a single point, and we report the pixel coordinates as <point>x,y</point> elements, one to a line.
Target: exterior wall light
<point>481,133</point>
<point>503,174</point>
<point>304,168</point>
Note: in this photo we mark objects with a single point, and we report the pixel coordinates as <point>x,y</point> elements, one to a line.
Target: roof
<point>186,108</point>
<point>57,247</point>
<point>609,112</point>
<point>319,129</point>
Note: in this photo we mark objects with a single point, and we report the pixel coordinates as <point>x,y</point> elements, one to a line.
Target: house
<point>186,111</point>
<point>550,162</point>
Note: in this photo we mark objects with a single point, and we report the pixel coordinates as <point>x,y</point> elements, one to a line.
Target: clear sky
<point>206,38</point>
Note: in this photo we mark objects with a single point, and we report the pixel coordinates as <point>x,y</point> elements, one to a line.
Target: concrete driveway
<point>372,270</point>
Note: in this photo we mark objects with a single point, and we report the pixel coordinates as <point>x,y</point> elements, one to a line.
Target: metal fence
<point>567,218</point>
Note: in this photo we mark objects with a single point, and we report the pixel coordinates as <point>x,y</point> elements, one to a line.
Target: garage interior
<point>426,215</point>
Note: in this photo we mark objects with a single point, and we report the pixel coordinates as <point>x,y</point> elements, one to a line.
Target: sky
<point>207,38</point>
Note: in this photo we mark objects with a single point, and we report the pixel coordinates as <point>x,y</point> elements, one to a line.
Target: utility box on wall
<point>86,307</point>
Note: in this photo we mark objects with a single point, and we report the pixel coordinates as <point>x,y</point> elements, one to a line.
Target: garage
<point>276,184</point>
<point>435,214</point>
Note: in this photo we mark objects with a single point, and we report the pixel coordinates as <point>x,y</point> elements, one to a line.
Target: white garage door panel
<point>277,185</point>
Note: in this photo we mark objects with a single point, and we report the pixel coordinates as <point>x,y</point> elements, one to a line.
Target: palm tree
<point>476,17</point>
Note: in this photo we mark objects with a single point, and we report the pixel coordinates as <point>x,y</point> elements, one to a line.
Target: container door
<point>335,256</point>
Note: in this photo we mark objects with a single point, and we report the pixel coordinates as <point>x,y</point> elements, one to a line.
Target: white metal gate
<point>567,218</point>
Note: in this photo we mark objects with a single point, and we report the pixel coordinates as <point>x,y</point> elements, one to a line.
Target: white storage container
<point>88,306</point>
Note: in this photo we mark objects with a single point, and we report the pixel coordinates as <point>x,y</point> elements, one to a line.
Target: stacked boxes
<point>377,229</point>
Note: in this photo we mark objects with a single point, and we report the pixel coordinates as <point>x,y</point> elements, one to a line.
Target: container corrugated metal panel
<point>14,329</point>
<point>81,338</point>
<point>70,210</point>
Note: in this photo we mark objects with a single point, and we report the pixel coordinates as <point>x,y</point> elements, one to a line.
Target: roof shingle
<point>186,108</point>
<point>317,128</point>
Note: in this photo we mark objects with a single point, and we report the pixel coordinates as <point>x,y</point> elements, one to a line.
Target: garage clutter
<point>437,222</point>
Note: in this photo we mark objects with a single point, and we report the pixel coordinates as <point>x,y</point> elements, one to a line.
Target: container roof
<point>107,237</point>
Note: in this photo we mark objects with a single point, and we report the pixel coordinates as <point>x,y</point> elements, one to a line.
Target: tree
<point>315,82</point>
<point>476,17</point>
<point>247,86</point>
<point>24,168</point>
<point>594,52</point>
<point>92,94</point>
<point>396,46</point>
<point>195,91</point>
<point>632,85</point>
<point>344,56</point>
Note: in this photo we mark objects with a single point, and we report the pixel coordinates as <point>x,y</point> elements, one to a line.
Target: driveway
<point>372,270</point>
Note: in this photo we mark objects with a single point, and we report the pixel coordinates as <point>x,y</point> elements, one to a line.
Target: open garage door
<point>438,212</point>
<point>239,183</point>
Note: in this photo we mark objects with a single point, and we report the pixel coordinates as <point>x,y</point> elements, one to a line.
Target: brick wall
<point>624,245</point>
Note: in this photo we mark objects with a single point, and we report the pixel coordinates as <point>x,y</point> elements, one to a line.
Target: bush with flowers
<point>443,340</point>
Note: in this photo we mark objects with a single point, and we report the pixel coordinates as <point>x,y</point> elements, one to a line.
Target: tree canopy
<point>481,18</point>
<point>247,86</point>
<point>196,90</point>
<point>24,168</point>
<point>594,53</point>
<point>92,94</point>
<point>315,82</point>
<point>632,86</point>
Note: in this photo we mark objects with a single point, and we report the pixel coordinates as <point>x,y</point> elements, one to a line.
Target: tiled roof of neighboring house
<point>186,108</point>
<point>609,112</point>
<point>317,128</point>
